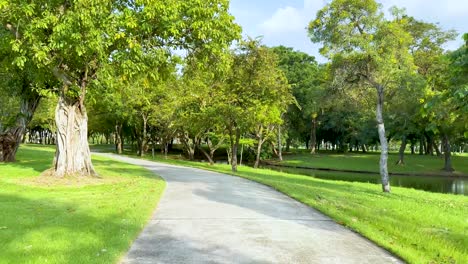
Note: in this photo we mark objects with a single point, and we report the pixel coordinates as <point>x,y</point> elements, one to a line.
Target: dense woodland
<point>125,73</point>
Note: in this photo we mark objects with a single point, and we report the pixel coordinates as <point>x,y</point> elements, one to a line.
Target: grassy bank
<point>72,221</point>
<point>370,162</point>
<point>418,226</point>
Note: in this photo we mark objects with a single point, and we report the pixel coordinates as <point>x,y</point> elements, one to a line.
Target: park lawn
<point>418,226</point>
<point>370,162</point>
<point>73,221</point>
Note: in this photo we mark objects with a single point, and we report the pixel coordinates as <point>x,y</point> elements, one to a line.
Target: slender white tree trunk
<point>280,145</point>
<point>235,146</point>
<point>313,135</point>
<point>383,140</point>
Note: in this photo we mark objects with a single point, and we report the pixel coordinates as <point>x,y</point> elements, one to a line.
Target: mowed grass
<point>370,162</point>
<point>418,226</point>
<point>72,222</point>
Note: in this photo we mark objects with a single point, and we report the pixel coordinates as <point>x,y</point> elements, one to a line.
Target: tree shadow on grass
<point>50,230</point>
<point>37,158</point>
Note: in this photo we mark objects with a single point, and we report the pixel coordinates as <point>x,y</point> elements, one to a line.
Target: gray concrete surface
<point>208,217</point>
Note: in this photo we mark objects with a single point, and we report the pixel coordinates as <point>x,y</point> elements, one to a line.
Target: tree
<point>305,77</point>
<point>366,50</point>
<point>201,103</point>
<point>25,84</point>
<point>74,40</point>
<point>255,81</point>
<point>445,103</point>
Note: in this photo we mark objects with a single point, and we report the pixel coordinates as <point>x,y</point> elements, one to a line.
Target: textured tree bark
<point>430,145</point>
<point>229,153</point>
<point>118,138</point>
<point>280,145</point>
<point>235,146</point>
<point>207,155</point>
<point>72,156</point>
<point>189,147</point>
<point>364,148</point>
<point>166,149</point>
<point>212,148</point>
<point>259,151</point>
<point>437,149</point>
<point>241,154</point>
<point>142,139</point>
<point>421,145</point>
<point>401,152</point>
<point>288,144</point>
<point>313,136</point>
<point>13,136</point>
<point>447,154</point>
<point>7,143</point>
<point>259,147</point>
<point>383,140</point>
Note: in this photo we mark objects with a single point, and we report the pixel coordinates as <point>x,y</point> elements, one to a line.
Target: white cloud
<point>291,19</point>
<point>284,22</point>
<point>450,14</point>
<point>288,19</point>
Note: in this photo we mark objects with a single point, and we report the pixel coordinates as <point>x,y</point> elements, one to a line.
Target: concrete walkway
<point>208,217</point>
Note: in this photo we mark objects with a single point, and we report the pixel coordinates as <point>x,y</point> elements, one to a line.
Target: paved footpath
<point>208,217</point>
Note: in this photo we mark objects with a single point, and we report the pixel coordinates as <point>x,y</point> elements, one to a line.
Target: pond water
<point>454,185</point>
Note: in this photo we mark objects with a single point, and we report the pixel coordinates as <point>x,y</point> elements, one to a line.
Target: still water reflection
<point>428,183</point>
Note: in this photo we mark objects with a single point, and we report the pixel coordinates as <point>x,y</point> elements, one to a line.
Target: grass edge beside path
<point>417,226</point>
<point>69,223</point>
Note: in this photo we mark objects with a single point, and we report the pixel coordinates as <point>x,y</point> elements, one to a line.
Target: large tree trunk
<point>13,136</point>
<point>72,156</point>
<point>383,140</point>
<point>401,153</point>
<point>447,154</point>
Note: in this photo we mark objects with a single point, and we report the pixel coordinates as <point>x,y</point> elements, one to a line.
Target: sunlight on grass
<point>88,223</point>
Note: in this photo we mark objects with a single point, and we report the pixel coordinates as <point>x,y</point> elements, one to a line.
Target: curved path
<point>208,217</point>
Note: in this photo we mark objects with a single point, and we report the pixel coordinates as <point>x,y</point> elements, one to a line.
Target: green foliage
<point>445,103</point>
<point>255,80</point>
<point>364,47</point>
<point>306,79</point>
<point>75,40</point>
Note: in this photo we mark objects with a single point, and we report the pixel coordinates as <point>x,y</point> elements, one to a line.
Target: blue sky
<point>282,22</point>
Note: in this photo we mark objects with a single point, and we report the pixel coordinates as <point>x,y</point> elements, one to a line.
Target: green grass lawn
<point>418,226</point>
<point>370,162</point>
<point>72,221</point>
